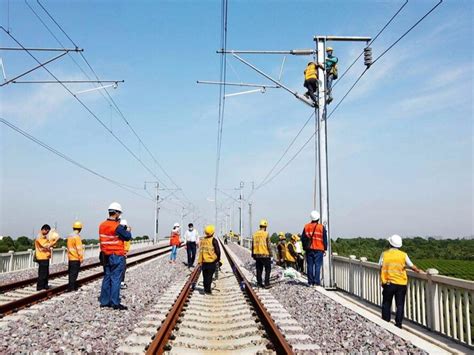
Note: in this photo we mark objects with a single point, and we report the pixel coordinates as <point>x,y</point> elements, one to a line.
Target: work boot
<point>120,307</point>
<point>123,285</point>
<point>330,98</point>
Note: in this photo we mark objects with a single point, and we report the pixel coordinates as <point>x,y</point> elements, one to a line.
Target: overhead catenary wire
<point>351,88</point>
<point>222,89</point>
<point>85,106</point>
<point>126,187</point>
<point>111,100</point>
<point>370,43</point>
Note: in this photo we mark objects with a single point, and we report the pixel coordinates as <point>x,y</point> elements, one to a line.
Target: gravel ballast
<point>74,322</point>
<point>333,326</point>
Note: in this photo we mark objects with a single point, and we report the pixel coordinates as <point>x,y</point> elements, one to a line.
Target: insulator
<point>368,56</point>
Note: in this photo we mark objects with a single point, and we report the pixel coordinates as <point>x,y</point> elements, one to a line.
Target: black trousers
<point>389,291</point>
<point>43,274</point>
<point>191,250</point>
<point>124,270</point>
<point>208,270</point>
<point>300,263</point>
<point>313,88</point>
<point>260,264</point>
<point>73,271</point>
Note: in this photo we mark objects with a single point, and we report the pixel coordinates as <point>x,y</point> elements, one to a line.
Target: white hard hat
<point>115,206</point>
<point>123,222</point>
<point>315,215</point>
<point>395,241</point>
<point>176,225</point>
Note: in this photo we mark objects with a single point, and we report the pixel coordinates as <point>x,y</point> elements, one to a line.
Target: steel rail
<point>22,283</point>
<point>160,340</point>
<point>27,301</point>
<point>281,345</point>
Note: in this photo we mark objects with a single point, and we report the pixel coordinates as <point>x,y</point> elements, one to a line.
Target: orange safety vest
<point>394,267</point>
<point>314,231</point>
<point>42,247</point>
<point>109,241</point>
<point>311,72</point>
<point>174,239</point>
<point>207,254</point>
<point>75,251</point>
<point>260,246</point>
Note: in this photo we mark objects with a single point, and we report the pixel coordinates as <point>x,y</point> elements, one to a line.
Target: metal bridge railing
<point>440,303</point>
<point>15,261</point>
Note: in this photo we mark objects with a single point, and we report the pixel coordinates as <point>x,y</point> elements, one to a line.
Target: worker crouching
<point>209,257</point>
<point>291,256</point>
<point>75,255</point>
<point>261,252</point>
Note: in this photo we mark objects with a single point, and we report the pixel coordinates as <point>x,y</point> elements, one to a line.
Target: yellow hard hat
<point>295,237</point>
<point>263,223</point>
<point>77,225</point>
<point>209,230</point>
<point>282,236</point>
<point>329,49</point>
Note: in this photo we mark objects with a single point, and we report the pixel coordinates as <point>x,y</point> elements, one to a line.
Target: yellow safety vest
<point>260,247</point>
<point>394,267</point>
<point>126,246</point>
<point>207,254</point>
<point>311,72</point>
<point>288,256</point>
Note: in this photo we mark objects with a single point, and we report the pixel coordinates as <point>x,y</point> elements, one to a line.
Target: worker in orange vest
<point>43,244</point>
<point>311,81</point>
<point>112,236</point>
<point>75,255</point>
<point>126,245</point>
<point>393,263</point>
<point>314,240</point>
<point>175,242</point>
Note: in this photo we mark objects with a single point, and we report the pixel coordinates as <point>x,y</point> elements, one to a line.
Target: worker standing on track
<point>191,238</point>
<point>75,255</point>
<point>290,253</point>
<point>175,242</point>
<point>112,236</point>
<point>314,240</point>
<point>281,249</point>
<point>209,257</point>
<point>331,72</point>
<point>311,81</point>
<point>262,254</point>
<point>43,244</point>
<point>393,275</point>
<point>126,247</point>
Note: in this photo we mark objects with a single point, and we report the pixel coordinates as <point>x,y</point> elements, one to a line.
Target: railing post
<point>362,277</point>
<point>351,274</point>
<point>30,259</point>
<point>10,265</point>
<point>433,301</point>
<point>64,254</point>
<point>334,276</point>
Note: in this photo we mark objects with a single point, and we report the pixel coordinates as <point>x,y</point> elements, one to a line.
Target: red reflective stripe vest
<point>109,241</point>
<point>314,231</point>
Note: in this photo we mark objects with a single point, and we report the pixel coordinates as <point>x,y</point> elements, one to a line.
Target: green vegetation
<point>451,257</point>
<point>24,243</point>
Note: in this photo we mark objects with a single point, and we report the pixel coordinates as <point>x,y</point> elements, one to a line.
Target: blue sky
<point>400,146</point>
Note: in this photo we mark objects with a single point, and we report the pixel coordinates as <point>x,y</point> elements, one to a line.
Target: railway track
<point>231,320</point>
<point>21,294</point>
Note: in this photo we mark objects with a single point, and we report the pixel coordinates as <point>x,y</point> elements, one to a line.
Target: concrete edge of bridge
<point>426,340</point>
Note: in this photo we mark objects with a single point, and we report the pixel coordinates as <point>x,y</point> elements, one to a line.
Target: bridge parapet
<point>440,303</point>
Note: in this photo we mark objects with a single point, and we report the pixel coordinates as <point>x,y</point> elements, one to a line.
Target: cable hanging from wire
<point>126,187</point>
<point>352,87</point>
